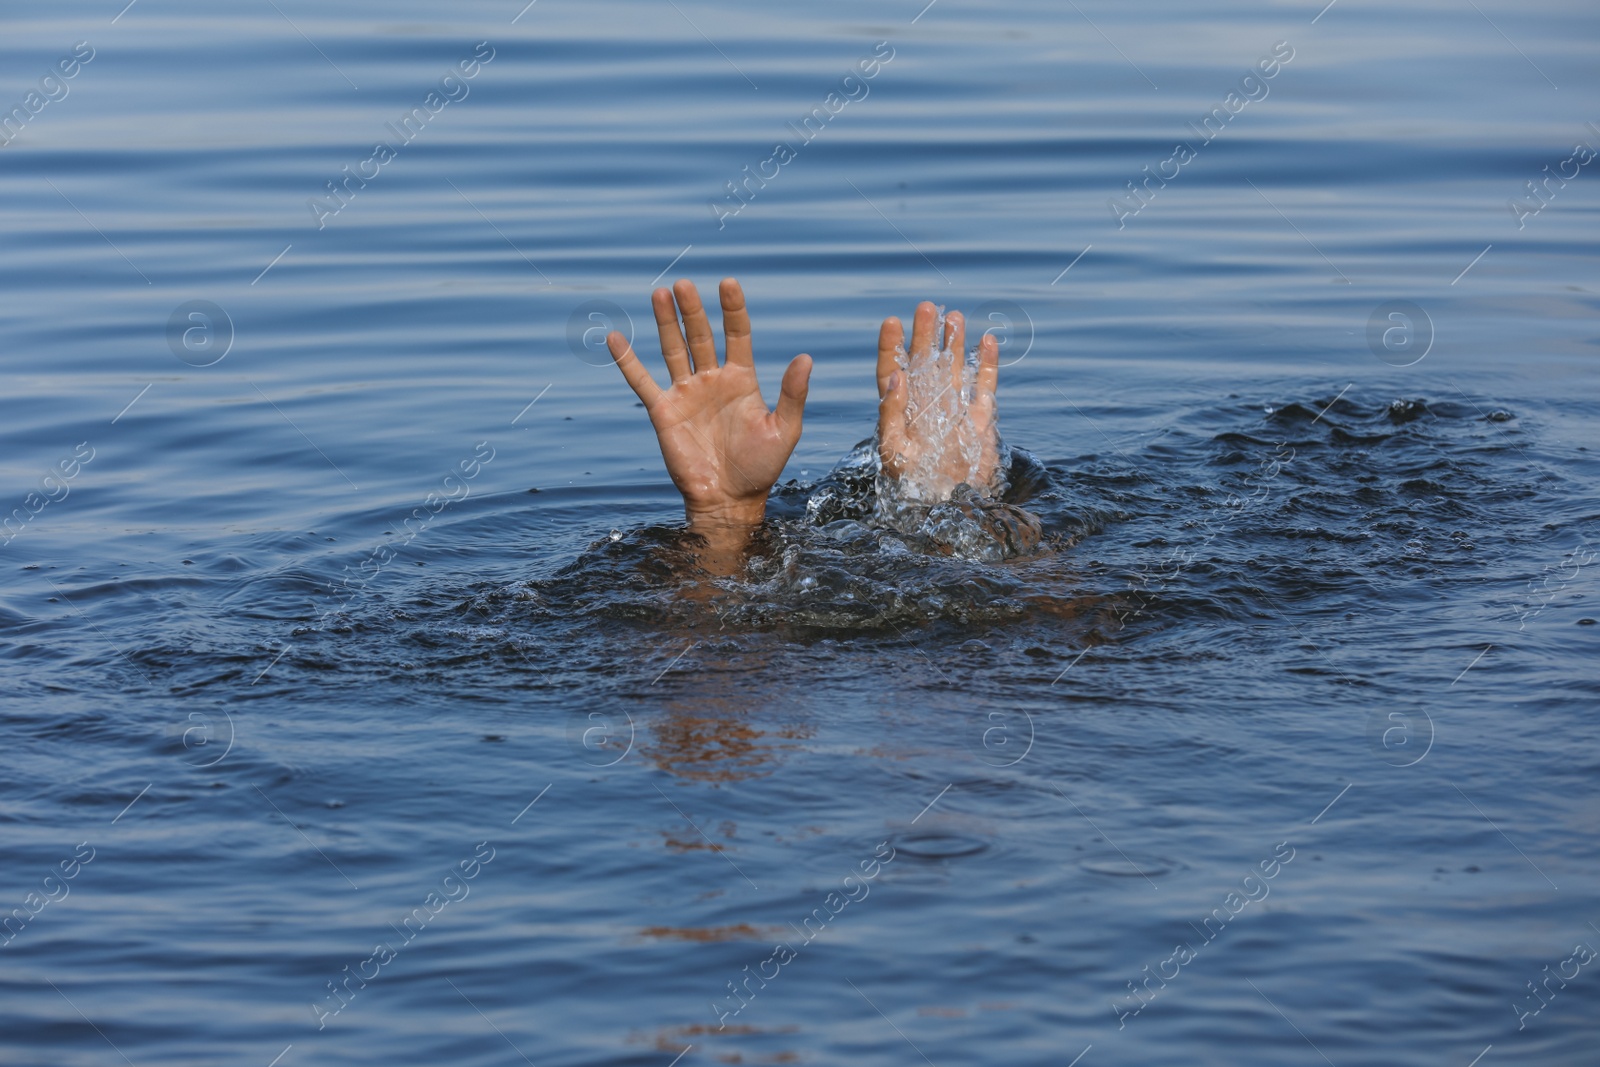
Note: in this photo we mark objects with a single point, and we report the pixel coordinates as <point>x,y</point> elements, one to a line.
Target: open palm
<point>723,448</point>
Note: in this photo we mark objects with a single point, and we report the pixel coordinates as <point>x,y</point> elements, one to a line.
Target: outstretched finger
<point>955,341</point>
<point>633,372</point>
<point>988,364</point>
<point>922,331</point>
<point>673,349</point>
<point>891,339</point>
<point>696,327</point>
<point>892,423</point>
<point>735,324</point>
<point>792,397</point>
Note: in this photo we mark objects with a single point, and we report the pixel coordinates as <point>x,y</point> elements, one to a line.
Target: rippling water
<point>366,705</point>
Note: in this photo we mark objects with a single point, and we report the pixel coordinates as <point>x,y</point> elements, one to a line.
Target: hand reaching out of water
<point>936,430</point>
<point>723,448</point>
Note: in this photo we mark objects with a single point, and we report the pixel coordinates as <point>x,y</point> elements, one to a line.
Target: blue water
<point>1302,678</point>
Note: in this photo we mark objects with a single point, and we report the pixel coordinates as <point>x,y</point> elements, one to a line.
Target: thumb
<point>792,395</point>
<point>988,364</point>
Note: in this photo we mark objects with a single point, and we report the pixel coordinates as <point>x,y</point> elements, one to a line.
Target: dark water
<point>1301,677</point>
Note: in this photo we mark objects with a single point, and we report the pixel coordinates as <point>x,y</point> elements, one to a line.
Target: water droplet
<point>937,844</point>
<point>1118,865</point>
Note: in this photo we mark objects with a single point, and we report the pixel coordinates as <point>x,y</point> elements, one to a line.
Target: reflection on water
<point>714,734</point>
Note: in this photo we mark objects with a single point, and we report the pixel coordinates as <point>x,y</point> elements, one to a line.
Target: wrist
<point>728,514</point>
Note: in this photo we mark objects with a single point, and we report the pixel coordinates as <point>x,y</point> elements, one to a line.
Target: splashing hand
<point>723,448</point>
<point>936,421</point>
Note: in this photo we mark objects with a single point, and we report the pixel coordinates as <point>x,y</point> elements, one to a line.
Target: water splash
<point>972,524</point>
<point>949,497</point>
<point>956,430</point>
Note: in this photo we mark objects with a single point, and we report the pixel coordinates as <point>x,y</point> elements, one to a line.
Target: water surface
<point>1300,676</point>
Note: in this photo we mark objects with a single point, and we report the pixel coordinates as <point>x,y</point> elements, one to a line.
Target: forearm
<point>726,528</point>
